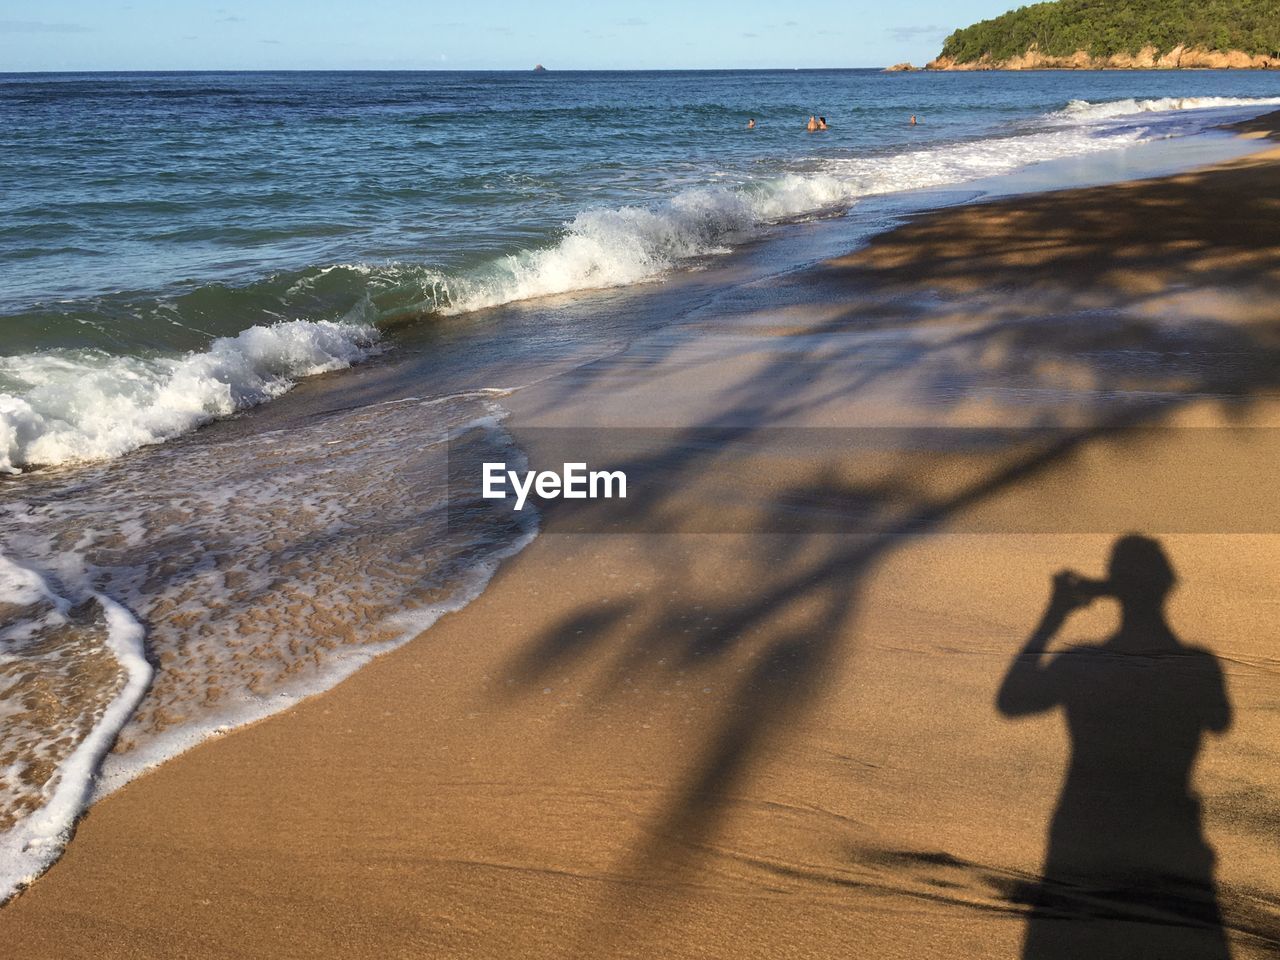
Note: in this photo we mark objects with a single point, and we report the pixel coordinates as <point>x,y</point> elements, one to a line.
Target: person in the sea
<point>1128,872</point>
<point>913,120</point>
<point>822,123</point>
<point>812,124</point>
<point>751,124</point>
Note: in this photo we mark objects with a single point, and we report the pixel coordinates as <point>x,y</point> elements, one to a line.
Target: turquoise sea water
<point>180,248</point>
<point>143,216</point>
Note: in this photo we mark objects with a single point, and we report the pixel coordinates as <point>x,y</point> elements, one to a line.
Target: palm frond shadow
<point>1127,365</point>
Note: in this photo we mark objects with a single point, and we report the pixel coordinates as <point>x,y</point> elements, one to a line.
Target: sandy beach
<point>761,718</point>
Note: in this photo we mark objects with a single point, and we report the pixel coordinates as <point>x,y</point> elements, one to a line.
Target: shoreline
<point>560,819</point>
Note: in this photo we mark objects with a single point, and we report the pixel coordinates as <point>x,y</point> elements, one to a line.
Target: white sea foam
<point>23,587</point>
<point>610,247</point>
<point>264,578</point>
<point>625,245</point>
<point>89,405</point>
<point>1083,110</point>
<point>37,840</point>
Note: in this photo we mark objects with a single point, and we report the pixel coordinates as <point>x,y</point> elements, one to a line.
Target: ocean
<point>241,314</point>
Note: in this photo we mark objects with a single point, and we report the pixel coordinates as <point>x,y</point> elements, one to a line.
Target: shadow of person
<point>1127,872</point>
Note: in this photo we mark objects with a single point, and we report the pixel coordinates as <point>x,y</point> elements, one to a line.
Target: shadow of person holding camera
<point>1127,871</point>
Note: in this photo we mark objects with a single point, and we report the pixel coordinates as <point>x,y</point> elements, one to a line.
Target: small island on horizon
<point>1129,35</point>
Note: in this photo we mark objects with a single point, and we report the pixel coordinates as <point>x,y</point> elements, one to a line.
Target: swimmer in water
<point>751,124</point>
<point>822,123</point>
<point>812,125</point>
<point>913,120</point>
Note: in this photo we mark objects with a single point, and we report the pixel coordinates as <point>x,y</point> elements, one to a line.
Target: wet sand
<point>762,720</point>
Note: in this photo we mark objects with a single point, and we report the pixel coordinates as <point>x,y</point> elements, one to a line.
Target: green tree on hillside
<point>1106,27</point>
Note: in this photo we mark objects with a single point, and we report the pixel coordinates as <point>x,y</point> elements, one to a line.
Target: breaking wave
<point>63,406</point>
<point>1083,110</point>
<point>78,405</point>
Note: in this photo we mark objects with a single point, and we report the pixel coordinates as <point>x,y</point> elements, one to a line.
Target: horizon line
<point>517,70</point>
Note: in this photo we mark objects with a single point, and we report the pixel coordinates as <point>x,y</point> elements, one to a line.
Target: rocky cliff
<point>1148,58</point>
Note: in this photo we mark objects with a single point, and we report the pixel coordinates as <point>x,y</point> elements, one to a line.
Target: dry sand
<point>726,741</point>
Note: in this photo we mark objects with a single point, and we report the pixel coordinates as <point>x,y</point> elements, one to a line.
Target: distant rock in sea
<point>539,68</point>
<point>901,68</point>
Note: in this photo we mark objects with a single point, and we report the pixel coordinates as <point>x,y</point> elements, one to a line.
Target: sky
<point>476,34</point>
